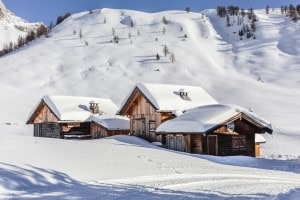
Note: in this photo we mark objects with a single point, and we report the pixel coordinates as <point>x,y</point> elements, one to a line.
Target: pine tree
<point>267,9</point>
<point>164,20</point>
<point>59,19</point>
<point>172,58</point>
<point>80,34</point>
<point>228,20</point>
<point>131,23</point>
<point>164,30</point>
<point>157,57</point>
<point>165,50</point>
<point>188,9</point>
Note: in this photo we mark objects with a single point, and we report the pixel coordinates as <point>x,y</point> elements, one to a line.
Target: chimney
<point>184,94</point>
<point>94,107</point>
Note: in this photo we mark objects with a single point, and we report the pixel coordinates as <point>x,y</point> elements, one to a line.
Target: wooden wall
<point>51,130</point>
<point>43,115</point>
<point>176,142</point>
<point>144,119</point>
<point>98,131</point>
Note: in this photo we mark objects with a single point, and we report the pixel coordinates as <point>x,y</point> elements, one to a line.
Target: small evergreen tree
<point>157,57</point>
<point>165,50</point>
<point>227,20</point>
<point>188,9</point>
<point>172,58</point>
<point>59,19</point>
<point>164,30</point>
<point>80,34</point>
<point>267,9</point>
<point>164,20</point>
<point>131,23</point>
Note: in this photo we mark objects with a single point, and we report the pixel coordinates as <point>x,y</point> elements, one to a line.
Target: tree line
<point>32,35</point>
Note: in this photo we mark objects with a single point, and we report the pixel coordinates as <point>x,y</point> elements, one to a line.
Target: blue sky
<point>48,10</point>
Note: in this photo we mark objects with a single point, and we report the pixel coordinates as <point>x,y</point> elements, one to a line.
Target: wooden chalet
<point>221,130</point>
<point>148,105</point>
<point>77,117</point>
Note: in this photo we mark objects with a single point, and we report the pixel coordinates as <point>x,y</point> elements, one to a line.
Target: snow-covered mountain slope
<point>211,56</point>
<point>12,26</point>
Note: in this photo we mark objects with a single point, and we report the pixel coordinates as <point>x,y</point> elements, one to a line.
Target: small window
<point>239,142</point>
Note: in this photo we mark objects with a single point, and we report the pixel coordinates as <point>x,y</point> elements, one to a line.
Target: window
<point>239,142</point>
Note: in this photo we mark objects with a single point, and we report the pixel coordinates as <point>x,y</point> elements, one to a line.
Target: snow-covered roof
<point>205,118</point>
<point>74,108</point>
<point>165,97</point>
<point>111,122</point>
<point>259,139</point>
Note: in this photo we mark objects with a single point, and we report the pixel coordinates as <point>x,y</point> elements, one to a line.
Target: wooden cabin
<point>148,105</point>
<point>77,117</point>
<point>220,130</point>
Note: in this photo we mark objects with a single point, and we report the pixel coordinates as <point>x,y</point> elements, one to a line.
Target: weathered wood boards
<point>48,123</point>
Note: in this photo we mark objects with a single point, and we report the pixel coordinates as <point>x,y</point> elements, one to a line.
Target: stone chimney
<point>94,107</point>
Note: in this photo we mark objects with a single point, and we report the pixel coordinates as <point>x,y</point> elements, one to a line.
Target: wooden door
<point>196,144</point>
<point>212,145</point>
<point>140,128</point>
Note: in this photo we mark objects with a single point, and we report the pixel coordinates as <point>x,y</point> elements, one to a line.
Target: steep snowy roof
<point>72,108</point>
<point>205,118</point>
<point>165,97</point>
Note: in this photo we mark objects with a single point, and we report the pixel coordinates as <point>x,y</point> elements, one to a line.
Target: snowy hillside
<point>12,26</point>
<point>210,56</point>
<point>260,74</point>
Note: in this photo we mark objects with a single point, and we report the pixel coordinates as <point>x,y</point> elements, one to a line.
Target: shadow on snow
<point>31,182</point>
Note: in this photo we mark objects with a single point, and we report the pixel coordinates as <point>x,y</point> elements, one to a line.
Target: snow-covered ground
<point>211,56</point>
<point>130,168</point>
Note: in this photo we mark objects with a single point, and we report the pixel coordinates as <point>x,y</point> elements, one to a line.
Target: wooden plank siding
<point>44,115</point>
<point>196,144</point>
<point>98,131</point>
<point>176,142</point>
<point>144,119</point>
<point>220,142</point>
<point>51,130</point>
